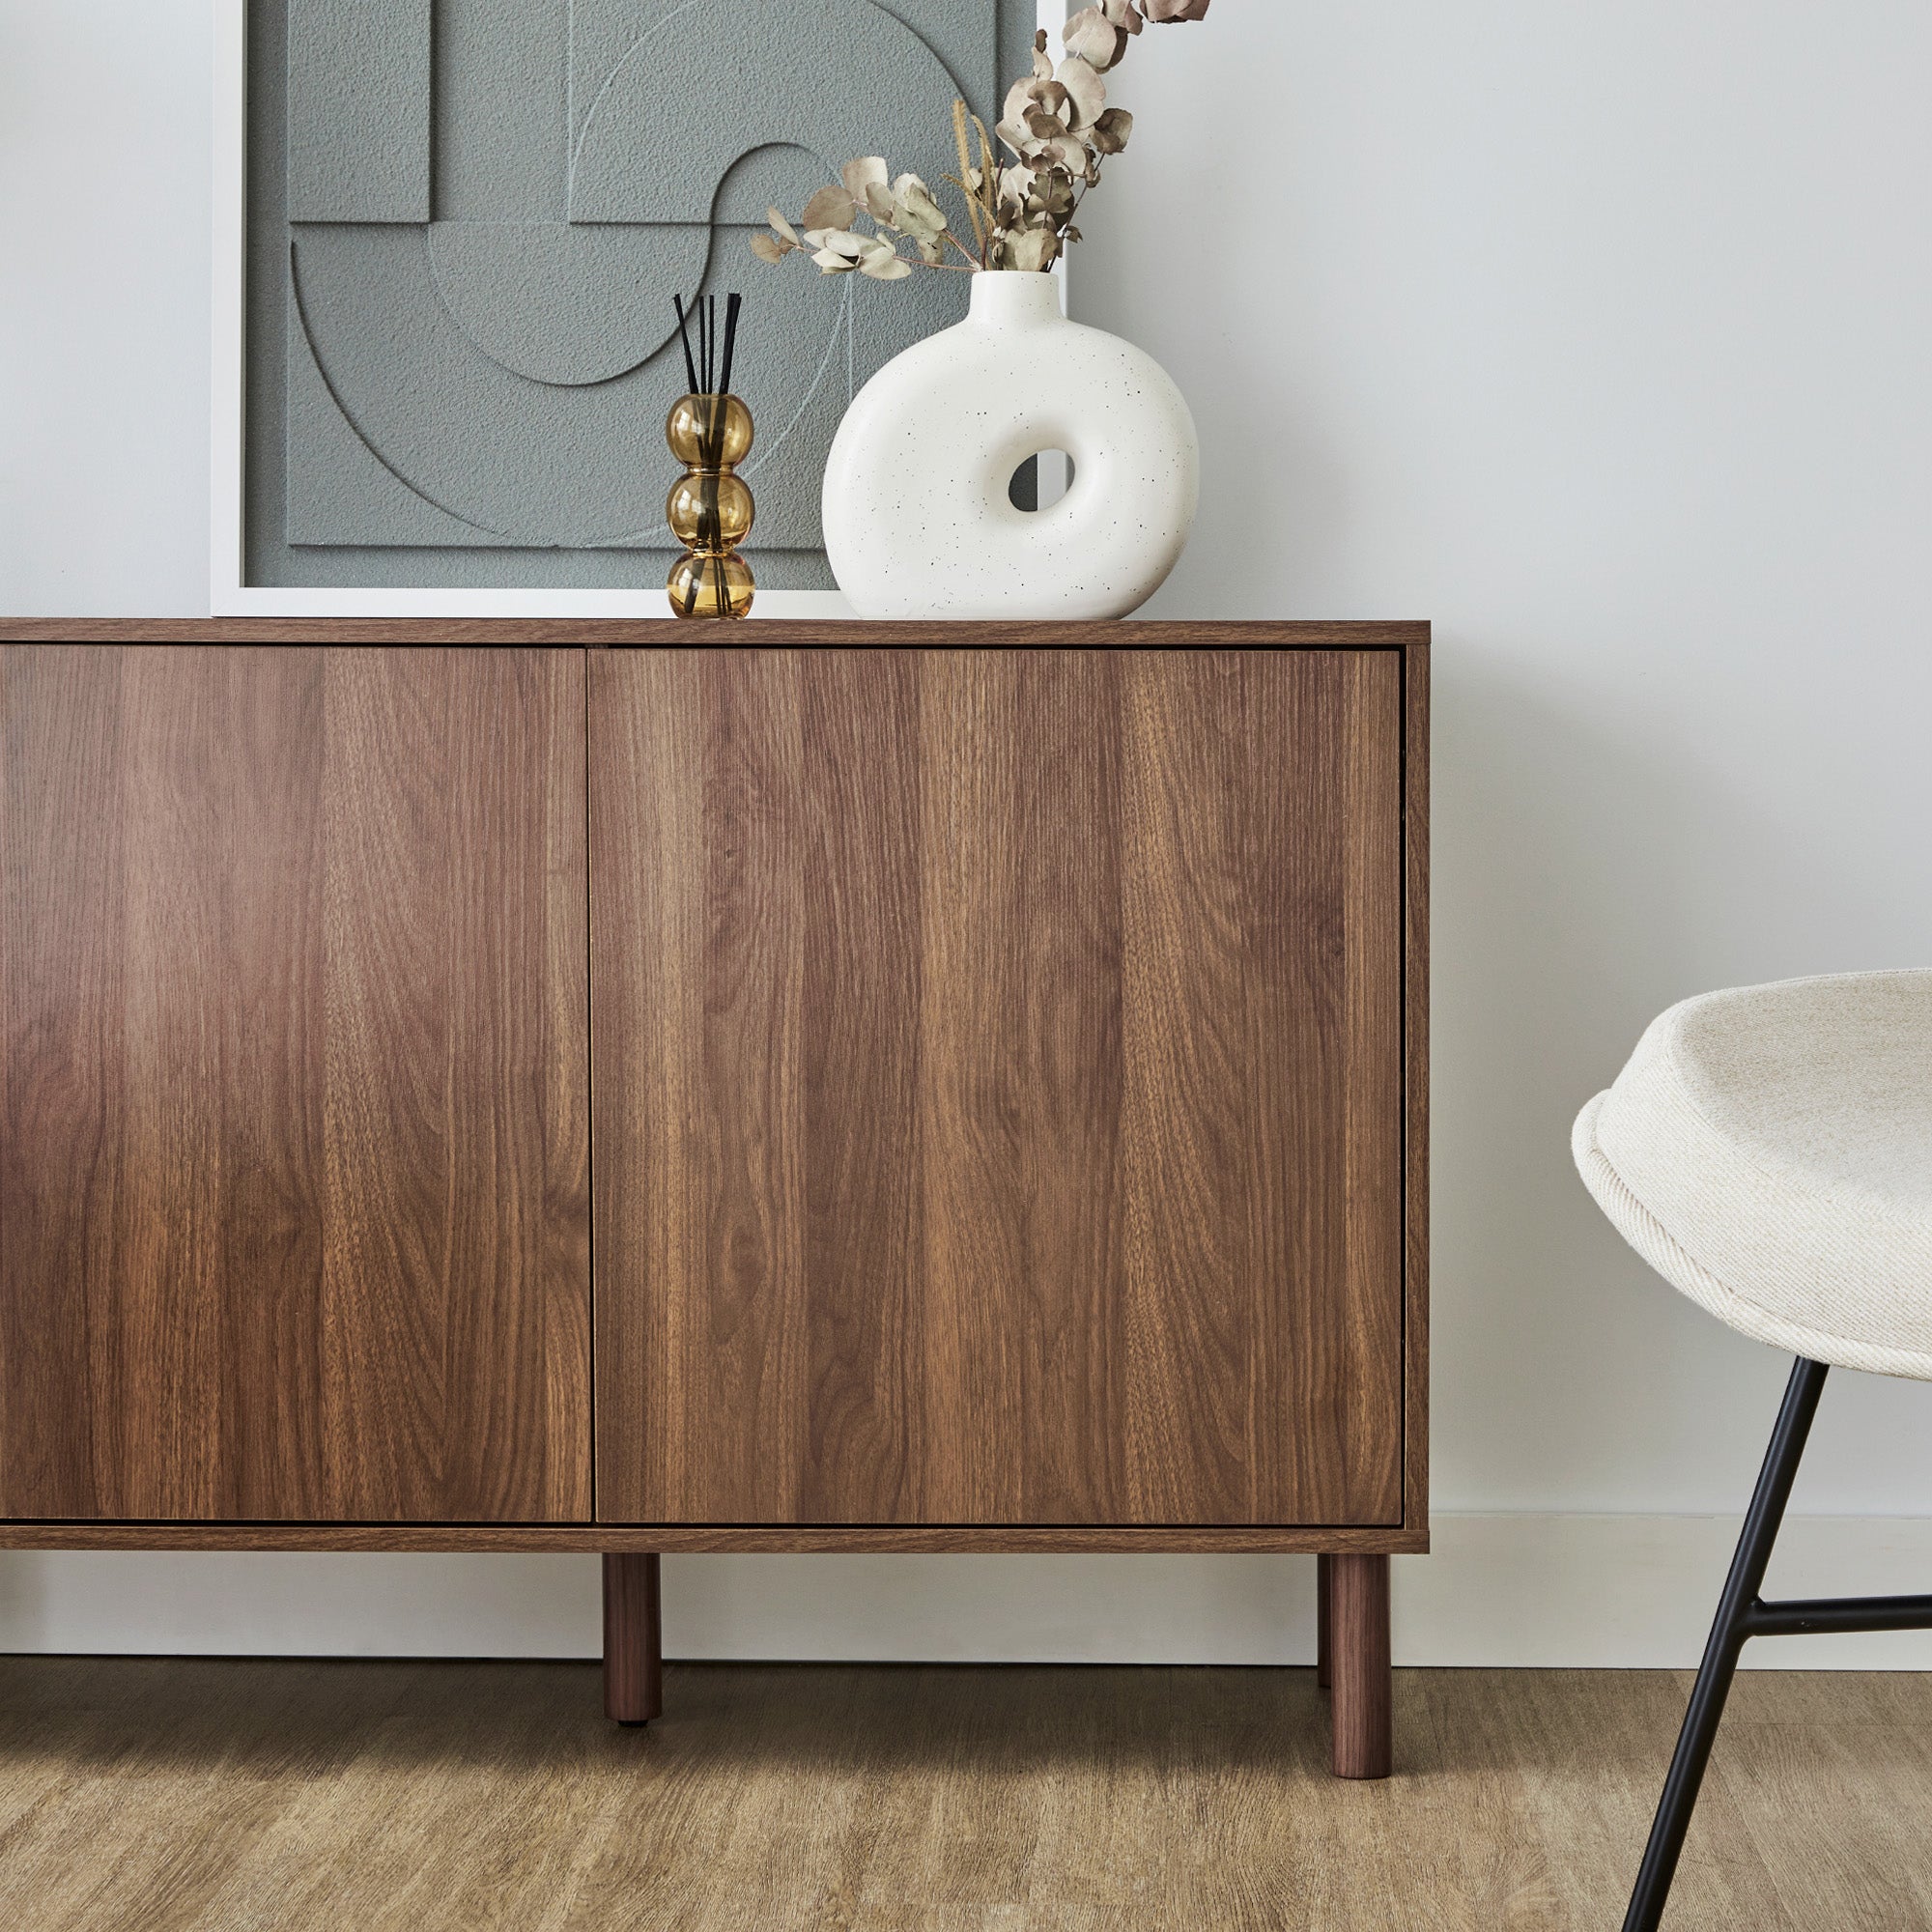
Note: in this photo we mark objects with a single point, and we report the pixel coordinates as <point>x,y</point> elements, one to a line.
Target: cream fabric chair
<point>1768,1151</point>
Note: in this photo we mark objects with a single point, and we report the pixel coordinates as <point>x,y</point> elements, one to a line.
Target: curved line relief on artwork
<point>335,396</point>
<point>605,288</point>
<point>548,466</point>
<point>841,331</point>
<point>651,137</point>
<point>484,365</point>
<point>577,319</point>
<point>623,61</point>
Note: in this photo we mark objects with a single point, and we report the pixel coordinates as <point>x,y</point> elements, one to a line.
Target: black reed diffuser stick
<point>707,372</point>
<point>721,418</point>
<point>683,336</point>
<point>731,307</point>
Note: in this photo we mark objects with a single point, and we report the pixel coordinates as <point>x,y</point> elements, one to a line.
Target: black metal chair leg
<point>1733,1625</point>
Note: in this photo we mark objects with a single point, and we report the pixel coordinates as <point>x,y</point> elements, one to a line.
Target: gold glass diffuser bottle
<point>710,509</point>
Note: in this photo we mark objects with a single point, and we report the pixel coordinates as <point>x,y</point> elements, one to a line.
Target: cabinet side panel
<point>1370,1423</point>
<point>1415,984</point>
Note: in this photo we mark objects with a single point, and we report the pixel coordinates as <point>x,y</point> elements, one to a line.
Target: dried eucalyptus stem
<point>1056,125</point>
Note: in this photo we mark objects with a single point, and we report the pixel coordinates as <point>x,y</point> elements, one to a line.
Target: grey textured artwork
<point>467,220</point>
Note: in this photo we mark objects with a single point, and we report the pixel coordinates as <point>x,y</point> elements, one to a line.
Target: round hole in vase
<point>920,519</point>
<point>1042,481</point>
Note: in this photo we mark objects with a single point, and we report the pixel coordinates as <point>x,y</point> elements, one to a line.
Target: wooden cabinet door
<point>998,1086</point>
<point>294,1110</point>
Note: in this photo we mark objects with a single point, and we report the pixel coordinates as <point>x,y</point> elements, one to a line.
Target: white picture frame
<point>230,594</point>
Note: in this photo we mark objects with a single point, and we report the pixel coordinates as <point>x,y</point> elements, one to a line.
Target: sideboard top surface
<point>666,631</point>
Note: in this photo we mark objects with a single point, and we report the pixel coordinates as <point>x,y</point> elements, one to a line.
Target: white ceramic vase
<point>918,521</point>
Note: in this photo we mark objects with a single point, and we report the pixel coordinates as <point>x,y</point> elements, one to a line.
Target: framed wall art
<point>448,235</point>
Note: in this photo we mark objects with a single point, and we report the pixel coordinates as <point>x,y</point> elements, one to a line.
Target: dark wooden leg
<point>1359,1590</point>
<point>633,1640</point>
<point>1323,1583</point>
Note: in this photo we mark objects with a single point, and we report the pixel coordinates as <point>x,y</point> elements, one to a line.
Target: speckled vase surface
<point>918,519</point>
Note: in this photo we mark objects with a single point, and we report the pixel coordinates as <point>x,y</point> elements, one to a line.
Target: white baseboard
<point>1589,1591</point>
<point>1637,1592</point>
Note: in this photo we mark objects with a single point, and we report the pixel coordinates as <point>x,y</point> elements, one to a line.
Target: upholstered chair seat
<point>1769,1152</point>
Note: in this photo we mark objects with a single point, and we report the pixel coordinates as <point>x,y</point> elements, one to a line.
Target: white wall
<point>1597,335</point>
<point>104,269</point>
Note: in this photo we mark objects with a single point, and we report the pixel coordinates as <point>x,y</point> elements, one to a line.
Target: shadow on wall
<point>858,1608</point>
<point>1275,500</point>
<point>1590,870</point>
<point>22,1591</point>
<point>283,1603</point>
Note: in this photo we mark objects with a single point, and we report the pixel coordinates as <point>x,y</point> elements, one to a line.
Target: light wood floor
<point>155,1796</point>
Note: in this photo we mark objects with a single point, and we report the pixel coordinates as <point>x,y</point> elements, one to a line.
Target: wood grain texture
<point>293,1157</point>
<point>1358,1665</point>
<point>855,921</point>
<point>430,1797</point>
<point>999,1086</point>
<point>633,1639</point>
<point>270,1117</point>
<point>686,1538</point>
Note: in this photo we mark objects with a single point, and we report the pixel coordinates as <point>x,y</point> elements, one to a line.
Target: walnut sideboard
<point>597,1088</point>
